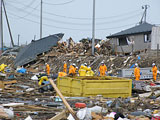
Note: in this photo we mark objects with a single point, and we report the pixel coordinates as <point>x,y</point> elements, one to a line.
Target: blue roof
<point>141,28</point>
<point>30,52</point>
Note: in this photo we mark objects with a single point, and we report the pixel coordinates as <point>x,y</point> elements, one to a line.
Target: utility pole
<point>34,37</point>
<point>145,12</point>
<point>10,33</point>
<point>1,27</point>
<point>18,38</point>
<point>41,20</point>
<point>144,16</point>
<point>93,28</point>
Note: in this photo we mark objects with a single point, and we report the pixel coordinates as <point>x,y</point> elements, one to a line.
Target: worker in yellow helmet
<point>47,69</point>
<point>154,70</point>
<point>83,69</point>
<point>2,67</point>
<point>65,67</point>
<point>137,72</point>
<point>102,69</point>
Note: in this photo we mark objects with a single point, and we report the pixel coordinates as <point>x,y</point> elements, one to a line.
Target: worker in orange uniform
<point>154,70</point>
<point>62,74</point>
<point>137,72</point>
<point>72,69</point>
<point>65,67</point>
<point>102,69</point>
<point>47,69</point>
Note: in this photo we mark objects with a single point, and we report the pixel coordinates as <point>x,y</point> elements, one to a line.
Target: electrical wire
<point>59,3</point>
<point>25,6</point>
<point>78,18</point>
<point>71,23</point>
<point>29,13</point>
<point>52,26</point>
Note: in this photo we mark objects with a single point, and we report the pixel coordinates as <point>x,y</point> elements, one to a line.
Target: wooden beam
<point>64,100</point>
<point>59,116</point>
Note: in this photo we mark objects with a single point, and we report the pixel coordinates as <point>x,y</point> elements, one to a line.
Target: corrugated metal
<point>29,52</point>
<point>142,28</point>
<point>155,38</point>
<point>146,73</point>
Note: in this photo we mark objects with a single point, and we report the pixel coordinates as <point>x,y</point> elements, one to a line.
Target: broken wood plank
<point>59,116</point>
<point>64,100</point>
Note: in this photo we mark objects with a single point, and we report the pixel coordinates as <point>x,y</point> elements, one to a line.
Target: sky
<point>74,18</point>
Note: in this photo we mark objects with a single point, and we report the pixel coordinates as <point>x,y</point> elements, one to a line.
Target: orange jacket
<point>47,68</point>
<point>154,70</point>
<point>65,67</point>
<point>102,69</point>
<point>72,70</point>
<point>61,74</point>
<point>137,72</point>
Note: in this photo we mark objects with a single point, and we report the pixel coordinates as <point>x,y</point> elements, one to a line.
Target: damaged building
<point>35,48</point>
<point>135,39</point>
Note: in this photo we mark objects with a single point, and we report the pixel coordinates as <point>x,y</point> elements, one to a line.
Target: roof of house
<point>141,28</point>
<point>36,47</point>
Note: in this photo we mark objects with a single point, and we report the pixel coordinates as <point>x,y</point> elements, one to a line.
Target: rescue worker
<point>83,69</point>
<point>154,70</point>
<point>137,72</point>
<point>43,80</point>
<point>102,69</point>
<point>65,67</point>
<point>2,68</point>
<point>90,73</point>
<point>47,69</point>
<point>72,69</point>
<point>62,74</point>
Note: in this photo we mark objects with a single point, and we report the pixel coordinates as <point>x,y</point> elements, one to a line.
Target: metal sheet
<point>30,52</point>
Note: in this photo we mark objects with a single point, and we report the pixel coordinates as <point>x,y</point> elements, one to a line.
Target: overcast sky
<point>74,17</point>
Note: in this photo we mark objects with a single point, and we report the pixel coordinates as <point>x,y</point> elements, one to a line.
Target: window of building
<point>122,41</point>
<point>147,38</point>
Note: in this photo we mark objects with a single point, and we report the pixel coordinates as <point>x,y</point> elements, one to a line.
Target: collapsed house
<point>139,38</point>
<point>35,48</point>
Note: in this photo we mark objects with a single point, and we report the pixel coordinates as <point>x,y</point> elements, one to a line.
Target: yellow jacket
<point>83,70</point>
<point>42,79</point>
<point>90,73</point>
<point>154,70</point>
<point>2,67</point>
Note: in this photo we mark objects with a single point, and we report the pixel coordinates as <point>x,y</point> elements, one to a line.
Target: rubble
<point>21,91</point>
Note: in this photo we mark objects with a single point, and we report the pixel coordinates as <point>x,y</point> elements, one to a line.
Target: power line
<point>80,18</point>
<point>84,24</point>
<point>59,3</point>
<point>52,26</point>
<point>25,6</point>
<point>30,12</point>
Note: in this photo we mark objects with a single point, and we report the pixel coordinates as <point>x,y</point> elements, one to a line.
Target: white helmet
<point>153,64</point>
<point>74,64</point>
<point>136,64</point>
<point>102,62</point>
<point>85,64</point>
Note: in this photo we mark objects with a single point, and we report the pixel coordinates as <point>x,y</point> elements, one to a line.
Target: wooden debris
<point>64,100</point>
<point>59,116</point>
